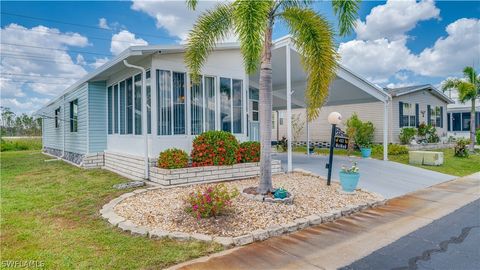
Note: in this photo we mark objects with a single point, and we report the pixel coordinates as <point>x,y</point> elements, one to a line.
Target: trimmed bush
<point>213,148</point>
<point>393,149</point>
<point>209,202</point>
<point>173,158</point>
<point>248,152</point>
<point>406,135</point>
<point>461,149</point>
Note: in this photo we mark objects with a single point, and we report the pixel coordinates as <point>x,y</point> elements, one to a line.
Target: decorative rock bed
<point>247,193</point>
<point>159,212</point>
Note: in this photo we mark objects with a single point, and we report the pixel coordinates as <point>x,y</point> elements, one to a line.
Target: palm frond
<point>313,37</point>
<point>250,19</point>
<point>466,91</point>
<point>450,84</point>
<point>470,74</point>
<point>212,26</point>
<point>347,12</point>
<point>295,3</point>
<point>191,4</point>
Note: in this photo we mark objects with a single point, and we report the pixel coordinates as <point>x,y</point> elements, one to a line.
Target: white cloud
<point>450,54</point>
<point>123,40</point>
<point>102,23</point>
<point>99,62</point>
<point>34,68</point>
<point>393,19</point>
<point>80,60</point>
<point>174,16</point>
<point>28,106</point>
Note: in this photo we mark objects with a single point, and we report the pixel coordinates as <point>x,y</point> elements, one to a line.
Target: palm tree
<point>252,21</point>
<point>468,89</point>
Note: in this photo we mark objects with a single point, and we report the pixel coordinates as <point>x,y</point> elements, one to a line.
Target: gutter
<point>144,116</point>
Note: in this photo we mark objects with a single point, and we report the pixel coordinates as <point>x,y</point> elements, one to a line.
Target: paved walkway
<point>348,239</point>
<point>390,179</point>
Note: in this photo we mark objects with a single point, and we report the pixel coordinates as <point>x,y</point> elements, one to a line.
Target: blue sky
<point>48,45</point>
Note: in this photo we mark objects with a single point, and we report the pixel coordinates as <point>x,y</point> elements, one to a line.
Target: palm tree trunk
<point>472,126</point>
<point>265,100</point>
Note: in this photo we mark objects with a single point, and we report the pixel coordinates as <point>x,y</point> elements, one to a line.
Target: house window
<point>122,107</point>
<point>129,104</point>
<point>109,108</point>
<point>115,109</point>
<point>409,115</point>
<point>74,115</point>
<point>436,116</point>
<point>196,101</point>
<point>171,92</point>
<point>237,103</point>
<point>466,121</point>
<point>225,104</point>
<point>255,110</point>
<point>449,128</point>
<point>456,121</point>
<point>210,103</point>
<point>179,101</point>
<point>57,120</point>
<point>149,102</point>
<point>138,104</point>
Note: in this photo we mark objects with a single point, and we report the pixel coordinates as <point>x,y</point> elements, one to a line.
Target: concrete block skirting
<point>108,213</point>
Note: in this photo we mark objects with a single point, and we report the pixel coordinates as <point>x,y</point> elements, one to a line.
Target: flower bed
<point>161,212</point>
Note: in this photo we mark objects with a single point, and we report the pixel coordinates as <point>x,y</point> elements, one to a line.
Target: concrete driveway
<point>390,179</point>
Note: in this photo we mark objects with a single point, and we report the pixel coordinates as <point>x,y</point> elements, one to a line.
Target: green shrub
<point>364,135</point>
<point>431,134</point>
<point>248,152</point>
<point>209,202</point>
<point>173,158</point>
<point>422,129</point>
<point>461,149</point>
<point>214,148</point>
<point>407,134</point>
<point>393,149</point>
<point>478,136</point>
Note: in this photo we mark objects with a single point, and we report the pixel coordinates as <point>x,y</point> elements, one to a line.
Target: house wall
<point>60,141</point>
<point>214,66</point>
<point>320,130</point>
<point>97,122</point>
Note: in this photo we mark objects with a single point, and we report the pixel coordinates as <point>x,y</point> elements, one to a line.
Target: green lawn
<point>452,165</point>
<point>50,213</point>
<point>20,144</point>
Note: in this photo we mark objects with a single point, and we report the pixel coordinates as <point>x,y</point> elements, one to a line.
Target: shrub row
<point>211,148</point>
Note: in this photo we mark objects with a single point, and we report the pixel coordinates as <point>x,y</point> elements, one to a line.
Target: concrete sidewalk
<point>336,244</point>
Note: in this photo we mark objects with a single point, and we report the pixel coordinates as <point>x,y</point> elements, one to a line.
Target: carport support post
<point>330,156</point>
<point>385,130</point>
<point>289,109</point>
<point>308,133</point>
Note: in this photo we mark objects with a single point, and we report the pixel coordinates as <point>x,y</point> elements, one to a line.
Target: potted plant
<point>349,178</point>
<point>364,138</point>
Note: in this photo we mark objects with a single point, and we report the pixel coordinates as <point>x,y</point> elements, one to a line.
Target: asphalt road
<point>390,179</point>
<point>450,243</point>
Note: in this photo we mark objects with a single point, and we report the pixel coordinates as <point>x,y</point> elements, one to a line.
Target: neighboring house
<point>458,118</point>
<point>410,106</point>
<point>106,119</point>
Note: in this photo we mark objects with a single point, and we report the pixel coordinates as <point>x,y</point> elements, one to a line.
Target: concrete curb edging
<point>108,213</point>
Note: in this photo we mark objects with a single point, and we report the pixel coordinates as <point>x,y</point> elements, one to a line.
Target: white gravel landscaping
<point>163,209</point>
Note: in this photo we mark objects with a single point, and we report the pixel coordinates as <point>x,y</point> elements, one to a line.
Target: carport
<point>289,83</point>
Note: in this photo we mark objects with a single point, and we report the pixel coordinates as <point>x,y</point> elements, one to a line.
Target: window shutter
<point>400,113</point>
<point>428,115</point>
<point>441,116</point>
<point>417,115</point>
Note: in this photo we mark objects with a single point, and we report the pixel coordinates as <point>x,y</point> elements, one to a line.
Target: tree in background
<point>22,125</point>
<point>468,90</point>
<point>297,126</point>
<point>252,22</point>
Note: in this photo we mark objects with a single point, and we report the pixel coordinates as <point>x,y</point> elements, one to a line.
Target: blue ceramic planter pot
<point>349,181</point>
<point>366,152</point>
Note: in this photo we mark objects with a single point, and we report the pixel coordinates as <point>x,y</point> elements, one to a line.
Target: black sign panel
<point>341,139</point>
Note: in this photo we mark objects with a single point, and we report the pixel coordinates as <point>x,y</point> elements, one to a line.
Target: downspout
<point>144,115</point>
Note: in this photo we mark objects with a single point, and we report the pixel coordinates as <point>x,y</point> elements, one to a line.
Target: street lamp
<point>334,118</point>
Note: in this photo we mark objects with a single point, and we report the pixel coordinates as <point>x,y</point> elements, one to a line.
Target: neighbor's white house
<point>410,106</point>
<point>142,102</point>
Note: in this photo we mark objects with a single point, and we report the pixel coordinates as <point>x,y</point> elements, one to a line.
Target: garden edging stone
<point>108,213</point>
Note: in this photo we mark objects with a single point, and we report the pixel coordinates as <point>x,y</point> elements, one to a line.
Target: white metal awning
<point>289,84</point>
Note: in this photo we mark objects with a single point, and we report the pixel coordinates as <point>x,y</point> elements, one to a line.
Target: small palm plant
<point>252,21</point>
<point>468,89</point>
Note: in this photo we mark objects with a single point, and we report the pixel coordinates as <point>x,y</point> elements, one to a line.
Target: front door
<point>253,124</point>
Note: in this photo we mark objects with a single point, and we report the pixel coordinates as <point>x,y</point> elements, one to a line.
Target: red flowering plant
<point>173,158</point>
<point>214,148</point>
<point>248,152</point>
<point>210,202</point>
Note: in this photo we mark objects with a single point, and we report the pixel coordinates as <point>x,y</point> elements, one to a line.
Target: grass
<point>20,144</point>
<point>50,213</point>
<point>452,165</point>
